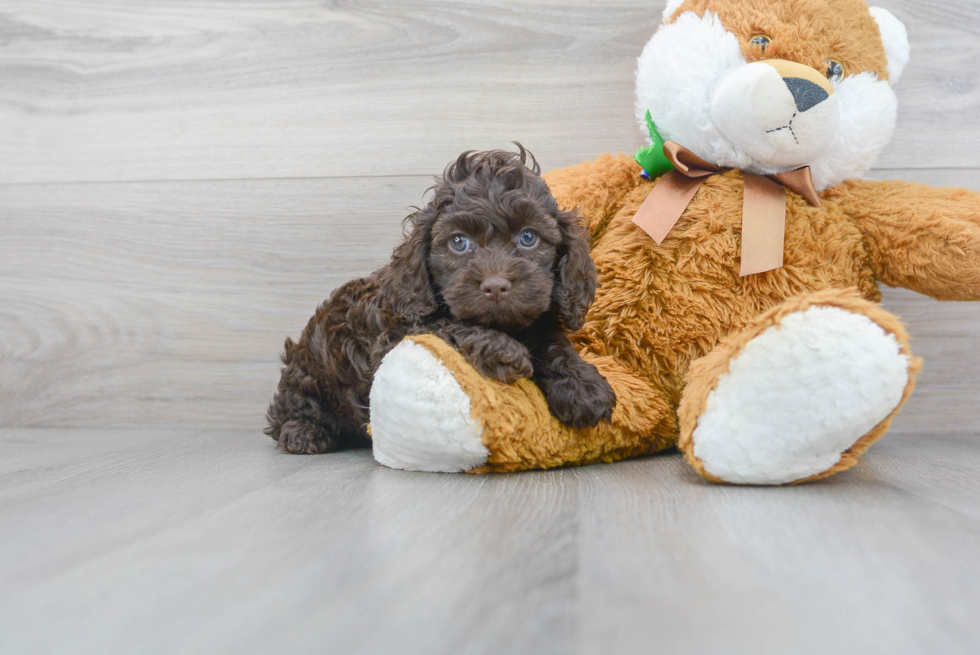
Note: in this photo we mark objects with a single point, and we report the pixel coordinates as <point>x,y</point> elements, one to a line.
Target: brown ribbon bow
<point>763,206</point>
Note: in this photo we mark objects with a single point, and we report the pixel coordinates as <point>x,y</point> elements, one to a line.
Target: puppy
<point>492,266</point>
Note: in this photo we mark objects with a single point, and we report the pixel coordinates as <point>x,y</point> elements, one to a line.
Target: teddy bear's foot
<point>799,394</point>
<point>420,416</point>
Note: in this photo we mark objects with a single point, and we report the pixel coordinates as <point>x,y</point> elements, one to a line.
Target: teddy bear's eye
<point>760,40</point>
<point>835,70</point>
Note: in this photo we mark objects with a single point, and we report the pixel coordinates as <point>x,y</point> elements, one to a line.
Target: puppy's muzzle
<point>495,287</point>
<point>499,289</point>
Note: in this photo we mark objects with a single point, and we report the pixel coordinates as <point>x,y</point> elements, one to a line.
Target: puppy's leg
<point>494,354</point>
<point>303,421</point>
<point>576,392</point>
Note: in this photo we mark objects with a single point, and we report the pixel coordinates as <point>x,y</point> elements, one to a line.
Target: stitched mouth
<point>788,126</point>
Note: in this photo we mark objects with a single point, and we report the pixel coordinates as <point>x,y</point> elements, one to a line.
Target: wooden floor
<point>142,541</point>
<point>181,183</point>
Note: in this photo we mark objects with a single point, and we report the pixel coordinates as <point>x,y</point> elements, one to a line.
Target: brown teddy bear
<point>737,313</point>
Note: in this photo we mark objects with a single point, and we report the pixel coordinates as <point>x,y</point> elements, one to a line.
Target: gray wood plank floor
<point>149,541</point>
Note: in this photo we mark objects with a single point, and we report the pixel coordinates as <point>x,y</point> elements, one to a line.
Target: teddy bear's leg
<point>799,394</point>
<point>431,411</point>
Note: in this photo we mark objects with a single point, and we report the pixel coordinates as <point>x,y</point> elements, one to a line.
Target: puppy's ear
<point>575,272</point>
<point>405,282</point>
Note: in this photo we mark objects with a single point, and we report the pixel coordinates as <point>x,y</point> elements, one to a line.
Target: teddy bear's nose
<point>808,87</point>
<point>806,94</point>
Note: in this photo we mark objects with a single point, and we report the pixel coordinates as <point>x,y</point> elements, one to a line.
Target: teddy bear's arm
<point>596,188</point>
<point>922,238</point>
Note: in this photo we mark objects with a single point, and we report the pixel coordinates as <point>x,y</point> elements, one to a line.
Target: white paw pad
<point>798,396</point>
<point>420,416</point>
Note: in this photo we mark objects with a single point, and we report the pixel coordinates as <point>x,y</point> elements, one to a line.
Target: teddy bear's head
<point>768,86</point>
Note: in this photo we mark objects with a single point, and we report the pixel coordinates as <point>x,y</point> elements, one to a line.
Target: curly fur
<point>505,305</point>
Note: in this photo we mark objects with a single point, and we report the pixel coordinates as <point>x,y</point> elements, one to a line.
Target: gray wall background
<point>182,183</point>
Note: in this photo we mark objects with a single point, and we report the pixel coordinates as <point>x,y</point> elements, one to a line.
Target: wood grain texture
<point>181,183</point>
<point>166,303</point>
<point>104,90</point>
<point>215,542</point>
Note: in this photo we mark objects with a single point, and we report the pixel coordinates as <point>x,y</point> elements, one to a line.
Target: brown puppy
<point>492,266</point>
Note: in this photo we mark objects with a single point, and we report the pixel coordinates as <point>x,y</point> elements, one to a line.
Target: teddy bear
<point>738,258</point>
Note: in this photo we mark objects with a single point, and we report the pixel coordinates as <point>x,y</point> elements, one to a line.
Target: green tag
<point>652,158</point>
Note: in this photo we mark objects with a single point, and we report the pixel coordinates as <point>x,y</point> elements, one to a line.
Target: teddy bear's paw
<point>420,416</point>
<point>798,396</point>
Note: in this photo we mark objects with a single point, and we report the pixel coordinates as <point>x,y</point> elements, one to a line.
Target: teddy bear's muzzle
<point>781,113</point>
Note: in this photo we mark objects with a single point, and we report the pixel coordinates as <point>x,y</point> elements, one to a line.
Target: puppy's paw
<point>500,357</point>
<point>305,438</point>
<point>581,398</point>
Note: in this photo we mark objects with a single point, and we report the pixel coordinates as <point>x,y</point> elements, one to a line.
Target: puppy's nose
<point>495,288</point>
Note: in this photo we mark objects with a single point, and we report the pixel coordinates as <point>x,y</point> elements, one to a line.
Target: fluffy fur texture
<point>767,419</point>
<point>895,39</point>
<point>516,427</point>
<point>689,96</point>
<point>848,307</point>
<point>491,265</point>
<point>670,322</point>
<point>672,7</point>
<point>444,437</point>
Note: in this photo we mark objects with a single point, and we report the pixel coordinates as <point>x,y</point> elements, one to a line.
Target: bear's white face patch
<point>702,93</point>
<point>783,122</point>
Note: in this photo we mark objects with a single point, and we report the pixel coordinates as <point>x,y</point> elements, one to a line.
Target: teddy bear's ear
<point>896,41</point>
<point>672,7</point>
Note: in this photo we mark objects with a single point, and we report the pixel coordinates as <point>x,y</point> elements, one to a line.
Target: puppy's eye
<point>459,243</point>
<point>528,238</point>
<point>761,41</point>
<point>835,70</point>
